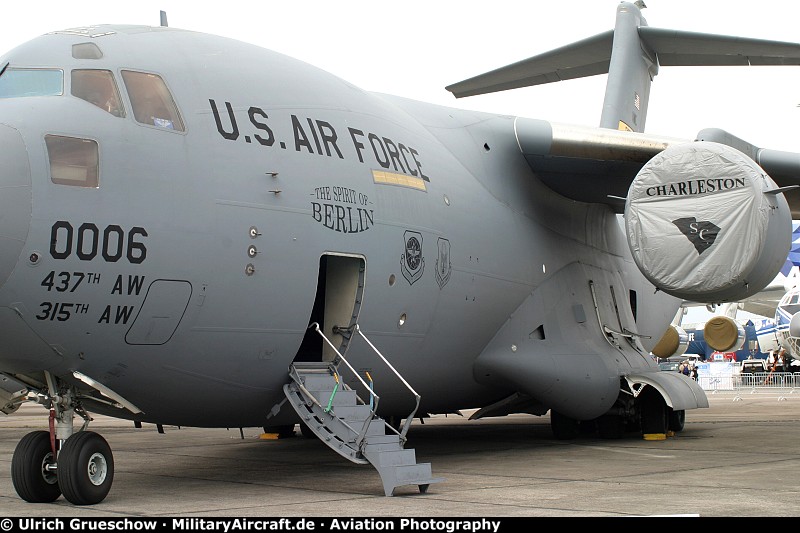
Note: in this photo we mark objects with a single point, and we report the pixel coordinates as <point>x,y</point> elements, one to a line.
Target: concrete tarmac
<point>740,457</point>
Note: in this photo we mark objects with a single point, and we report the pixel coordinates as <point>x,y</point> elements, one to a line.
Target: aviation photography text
<point>225,525</point>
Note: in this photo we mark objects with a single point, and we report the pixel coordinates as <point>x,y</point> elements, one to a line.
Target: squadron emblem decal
<point>701,234</point>
<point>411,262</point>
<point>443,266</point>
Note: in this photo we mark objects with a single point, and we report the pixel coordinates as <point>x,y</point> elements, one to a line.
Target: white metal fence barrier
<point>781,384</point>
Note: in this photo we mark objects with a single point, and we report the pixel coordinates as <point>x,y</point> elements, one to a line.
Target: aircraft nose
<point>15,199</point>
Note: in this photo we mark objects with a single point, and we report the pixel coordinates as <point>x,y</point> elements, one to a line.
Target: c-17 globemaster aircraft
<point>201,232</point>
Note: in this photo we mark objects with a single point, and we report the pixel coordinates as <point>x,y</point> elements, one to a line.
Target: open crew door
<point>326,405</point>
<point>340,286</point>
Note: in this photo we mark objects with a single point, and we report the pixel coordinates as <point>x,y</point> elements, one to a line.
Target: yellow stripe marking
<point>393,178</point>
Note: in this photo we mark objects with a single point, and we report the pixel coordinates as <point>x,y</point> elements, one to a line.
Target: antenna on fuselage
<point>164,19</point>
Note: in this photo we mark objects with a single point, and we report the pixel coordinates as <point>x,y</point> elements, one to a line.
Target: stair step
<point>342,397</point>
<point>353,412</point>
<point>403,457</point>
<point>374,447</point>
<point>412,474</point>
<point>302,365</point>
<point>340,427</point>
<point>383,439</point>
<point>318,382</point>
<point>377,427</point>
<point>327,427</point>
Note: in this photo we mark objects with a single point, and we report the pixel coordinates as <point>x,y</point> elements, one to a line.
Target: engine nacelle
<point>674,342</point>
<point>724,334</point>
<point>705,224</point>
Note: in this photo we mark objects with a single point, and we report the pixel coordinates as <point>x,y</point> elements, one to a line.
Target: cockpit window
<point>73,161</point>
<point>97,87</point>
<point>151,100</point>
<point>86,51</point>
<point>17,82</point>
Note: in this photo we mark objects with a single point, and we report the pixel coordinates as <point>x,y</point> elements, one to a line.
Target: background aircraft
<point>199,231</point>
<point>753,329</point>
<point>765,318</point>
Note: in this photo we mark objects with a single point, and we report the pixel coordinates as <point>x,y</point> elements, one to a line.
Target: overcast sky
<point>415,48</point>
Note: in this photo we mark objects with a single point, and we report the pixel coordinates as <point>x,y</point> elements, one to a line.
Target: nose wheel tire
<point>32,480</point>
<point>85,468</point>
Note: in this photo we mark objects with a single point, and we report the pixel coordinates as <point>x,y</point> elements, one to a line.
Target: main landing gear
<point>47,464</point>
<point>648,414</point>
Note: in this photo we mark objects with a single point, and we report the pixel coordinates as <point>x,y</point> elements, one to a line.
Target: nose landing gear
<point>47,464</point>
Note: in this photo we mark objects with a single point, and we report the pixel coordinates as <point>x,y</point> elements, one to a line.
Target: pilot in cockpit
<point>97,87</point>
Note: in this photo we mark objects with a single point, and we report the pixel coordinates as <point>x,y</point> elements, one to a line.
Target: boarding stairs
<point>336,414</point>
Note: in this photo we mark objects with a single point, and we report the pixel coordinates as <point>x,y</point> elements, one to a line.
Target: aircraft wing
<point>588,57</point>
<point>592,56</point>
<point>598,165</point>
<point>686,49</point>
<point>764,303</point>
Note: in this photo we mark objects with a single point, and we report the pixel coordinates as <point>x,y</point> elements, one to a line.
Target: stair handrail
<point>410,418</point>
<point>363,433</point>
<point>315,325</point>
